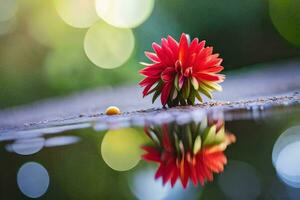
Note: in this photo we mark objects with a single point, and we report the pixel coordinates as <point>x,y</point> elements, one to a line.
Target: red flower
<point>179,72</point>
<point>181,158</point>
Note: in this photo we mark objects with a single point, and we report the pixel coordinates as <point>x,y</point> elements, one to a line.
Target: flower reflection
<point>142,181</point>
<point>188,152</point>
<point>145,187</point>
<point>286,156</point>
<point>33,179</point>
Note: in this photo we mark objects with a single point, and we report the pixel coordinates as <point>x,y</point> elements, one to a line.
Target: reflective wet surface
<point>93,160</point>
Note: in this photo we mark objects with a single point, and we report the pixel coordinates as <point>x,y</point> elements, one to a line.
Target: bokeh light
<point>286,156</point>
<point>61,141</point>
<point>26,146</point>
<point>120,149</point>
<point>68,68</point>
<point>49,29</point>
<point>7,26</point>
<point>33,179</point>
<point>107,46</point>
<point>124,14</point>
<point>8,9</point>
<point>285,15</point>
<point>77,13</point>
<point>144,186</point>
<point>240,181</point>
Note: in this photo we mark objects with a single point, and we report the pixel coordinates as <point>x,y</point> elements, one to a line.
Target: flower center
<point>179,69</point>
<point>188,72</point>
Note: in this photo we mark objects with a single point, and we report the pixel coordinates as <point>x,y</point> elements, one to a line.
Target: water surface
<point>95,161</point>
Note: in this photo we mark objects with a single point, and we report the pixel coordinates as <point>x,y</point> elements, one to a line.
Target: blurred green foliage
<point>41,56</point>
<point>285,16</point>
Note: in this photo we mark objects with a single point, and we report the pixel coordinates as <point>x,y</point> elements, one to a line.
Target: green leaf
<point>197,145</point>
<point>176,101</point>
<point>175,94</point>
<point>203,124</point>
<point>195,83</point>
<point>176,82</point>
<point>209,135</point>
<point>156,94</point>
<point>212,85</point>
<point>154,137</point>
<point>157,87</point>
<point>176,143</point>
<point>220,136</point>
<point>193,127</point>
<point>198,96</point>
<point>186,89</point>
<point>181,147</point>
<point>197,129</point>
<point>205,91</point>
<point>189,137</point>
<point>191,98</point>
<point>156,131</point>
<point>181,100</point>
<point>189,102</point>
<point>170,103</point>
<point>171,94</point>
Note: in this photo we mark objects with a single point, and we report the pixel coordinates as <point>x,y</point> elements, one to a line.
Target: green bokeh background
<point>241,31</point>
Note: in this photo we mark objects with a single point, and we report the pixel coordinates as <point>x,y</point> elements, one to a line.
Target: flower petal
<point>165,93</point>
<point>174,46</point>
<point>168,75</point>
<point>174,177</point>
<point>161,54</point>
<point>183,50</point>
<point>152,155</point>
<point>148,83</point>
<point>153,70</point>
<point>170,168</point>
<point>184,172</point>
<point>193,173</point>
<point>207,76</point>
<point>152,56</point>
<point>193,45</point>
<point>200,62</point>
<point>215,69</point>
<point>165,47</point>
<point>160,171</point>
<point>166,139</point>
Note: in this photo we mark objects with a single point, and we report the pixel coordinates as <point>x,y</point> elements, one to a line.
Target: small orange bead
<point>112,110</point>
